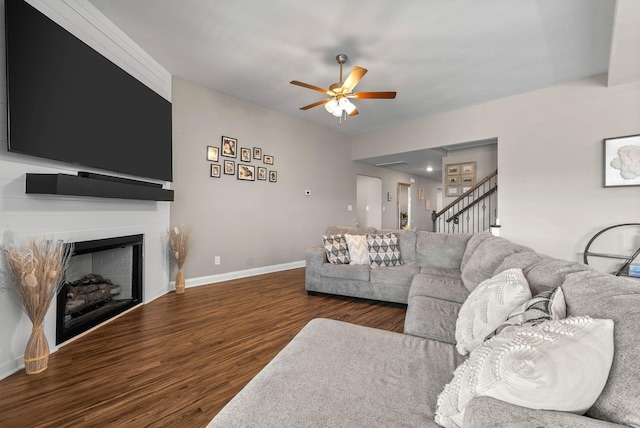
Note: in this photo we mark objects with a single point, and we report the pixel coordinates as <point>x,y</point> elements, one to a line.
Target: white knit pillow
<point>558,365</point>
<point>488,306</point>
<point>358,249</point>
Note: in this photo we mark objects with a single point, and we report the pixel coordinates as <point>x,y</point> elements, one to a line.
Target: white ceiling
<point>439,55</point>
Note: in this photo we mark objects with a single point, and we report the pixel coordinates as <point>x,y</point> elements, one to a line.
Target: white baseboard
<point>212,279</point>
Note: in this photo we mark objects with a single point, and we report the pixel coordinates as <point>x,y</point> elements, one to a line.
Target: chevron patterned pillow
<point>384,249</point>
<point>337,250</point>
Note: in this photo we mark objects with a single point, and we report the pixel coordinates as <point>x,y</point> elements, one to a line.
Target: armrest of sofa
<point>487,412</point>
<point>316,256</point>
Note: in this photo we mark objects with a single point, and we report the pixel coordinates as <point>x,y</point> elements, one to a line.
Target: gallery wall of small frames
<point>246,163</point>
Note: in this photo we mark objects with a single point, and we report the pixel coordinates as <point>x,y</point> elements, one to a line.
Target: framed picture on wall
<point>229,147</point>
<point>268,159</point>
<point>257,153</point>
<point>273,176</point>
<point>452,190</point>
<point>421,194</point>
<point>245,154</point>
<point>246,172</point>
<point>229,167</point>
<point>468,168</point>
<point>468,180</point>
<point>453,169</point>
<point>212,153</point>
<point>262,173</point>
<point>622,161</point>
<point>215,170</point>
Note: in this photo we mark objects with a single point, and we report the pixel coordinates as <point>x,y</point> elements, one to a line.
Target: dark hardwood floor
<point>178,360</point>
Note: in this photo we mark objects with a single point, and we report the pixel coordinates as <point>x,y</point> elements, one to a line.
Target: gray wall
<point>549,158</point>
<point>259,226</point>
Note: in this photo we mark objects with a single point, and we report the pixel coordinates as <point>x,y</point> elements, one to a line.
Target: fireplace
<point>103,280</point>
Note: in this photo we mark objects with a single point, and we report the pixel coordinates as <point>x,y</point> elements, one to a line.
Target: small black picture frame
<point>215,170</point>
<point>273,176</point>
<point>229,167</point>
<point>257,153</point>
<point>229,147</point>
<point>262,173</point>
<point>246,172</point>
<point>212,153</point>
<point>268,159</point>
<point>245,154</point>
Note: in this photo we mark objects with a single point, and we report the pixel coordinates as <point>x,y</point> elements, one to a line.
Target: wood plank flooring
<point>178,360</point>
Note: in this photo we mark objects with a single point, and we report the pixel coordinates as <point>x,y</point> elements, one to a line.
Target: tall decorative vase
<point>36,355</point>
<point>36,270</point>
<point>180,282</point>
<point>178,249</point>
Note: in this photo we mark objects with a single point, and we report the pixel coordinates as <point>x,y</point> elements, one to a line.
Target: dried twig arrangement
<point>36,270</point>
<point>179,249</point>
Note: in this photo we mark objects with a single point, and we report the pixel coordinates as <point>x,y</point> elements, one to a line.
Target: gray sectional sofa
<point>338,374</point>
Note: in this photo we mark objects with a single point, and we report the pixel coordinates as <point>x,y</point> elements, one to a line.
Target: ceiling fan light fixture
<point>347,105</point>
<point>331,105</point>
<point>337,112</point>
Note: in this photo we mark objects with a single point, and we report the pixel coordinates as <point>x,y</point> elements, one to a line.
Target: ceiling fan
<point>339,93</point>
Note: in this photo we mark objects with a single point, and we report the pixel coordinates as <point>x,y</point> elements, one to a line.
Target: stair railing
<point>474,211</point>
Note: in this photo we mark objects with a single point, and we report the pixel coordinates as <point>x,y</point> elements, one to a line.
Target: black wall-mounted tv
<point>67,102</point>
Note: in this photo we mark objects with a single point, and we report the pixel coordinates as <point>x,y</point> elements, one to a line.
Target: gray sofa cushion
<point>542,272</point>
<point>489,254</point>
<point>475,240</point>
<point>341,230</point>
<point>445,272</point>
<point>407,241</point>
<point>606,296</point>
<point>432,318</point>
<point>401,275</point>
<point>345,271</point>
<point>338,374</point>
<point>509,415</point>
<point>440,250</point>
<point>439,287</point>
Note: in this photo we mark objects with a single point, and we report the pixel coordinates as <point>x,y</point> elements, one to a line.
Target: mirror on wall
<point>404,205</point>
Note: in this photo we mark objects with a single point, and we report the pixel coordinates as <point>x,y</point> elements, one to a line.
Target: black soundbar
<point>114,187</point>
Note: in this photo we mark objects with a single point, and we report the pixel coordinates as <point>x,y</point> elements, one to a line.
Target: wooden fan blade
<point>353,78</point>
<point>383,95</point>
<point>354,112</point>
<point>316,104</point>
<point>315,88</point>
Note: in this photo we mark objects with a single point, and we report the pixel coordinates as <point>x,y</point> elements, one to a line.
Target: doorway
<point>369,201</point>
<point>404,205</point>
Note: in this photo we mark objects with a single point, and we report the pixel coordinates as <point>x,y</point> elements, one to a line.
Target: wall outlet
<point>349,208</point>
<point>217,260</point>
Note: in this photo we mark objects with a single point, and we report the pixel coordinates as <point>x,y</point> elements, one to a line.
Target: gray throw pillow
<point>601,295</point>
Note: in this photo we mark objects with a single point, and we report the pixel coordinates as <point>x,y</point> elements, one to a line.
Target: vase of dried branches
<point>36,269</point>
<point>179,249</point>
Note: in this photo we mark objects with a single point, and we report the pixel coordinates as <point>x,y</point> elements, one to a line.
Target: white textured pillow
<point>358,249</point>
<point>488,306</point>
<point>557,365</point>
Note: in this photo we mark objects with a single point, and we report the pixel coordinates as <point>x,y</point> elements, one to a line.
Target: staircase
<point>474,211</point>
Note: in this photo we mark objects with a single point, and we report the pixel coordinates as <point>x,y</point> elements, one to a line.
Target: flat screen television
<point>67,102</point>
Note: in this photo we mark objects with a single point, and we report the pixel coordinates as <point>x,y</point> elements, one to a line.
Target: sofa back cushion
<point>488,255</point>
<point>475,240</point>
<point>543,272</point>
<point>440,250</point>
<point>407,241</point>
<point>602,295</point>
<point>341,230</point>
